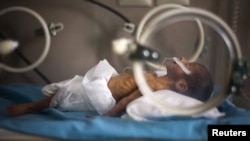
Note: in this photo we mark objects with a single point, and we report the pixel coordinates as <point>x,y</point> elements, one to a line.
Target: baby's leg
<point>19,109</point>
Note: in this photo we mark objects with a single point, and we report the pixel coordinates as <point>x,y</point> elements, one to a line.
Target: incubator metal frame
<point>236,73</point>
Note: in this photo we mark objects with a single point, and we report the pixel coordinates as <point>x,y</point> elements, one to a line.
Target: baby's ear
<point>181,85</point>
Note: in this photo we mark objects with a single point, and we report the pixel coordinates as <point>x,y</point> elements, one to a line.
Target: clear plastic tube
<point>181,65</point>
<point>216,23</point>
<point>47,40</point>
<point>149,17</point>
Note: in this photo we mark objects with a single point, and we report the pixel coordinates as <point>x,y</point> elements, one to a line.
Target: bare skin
<point>122,92</point>
<point>123,88</point>
<point>20,109</point>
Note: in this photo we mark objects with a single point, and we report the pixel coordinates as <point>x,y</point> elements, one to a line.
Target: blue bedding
<point>75,125</point>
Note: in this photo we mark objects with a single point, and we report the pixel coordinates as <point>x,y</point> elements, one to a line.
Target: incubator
<point>149,117</point>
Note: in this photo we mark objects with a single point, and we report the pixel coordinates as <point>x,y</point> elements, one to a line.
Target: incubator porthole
<point>209,19</point>
<point>47,39</point>
<point>150,17</point>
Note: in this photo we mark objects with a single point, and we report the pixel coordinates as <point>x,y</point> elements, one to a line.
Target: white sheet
<point>143,109</point>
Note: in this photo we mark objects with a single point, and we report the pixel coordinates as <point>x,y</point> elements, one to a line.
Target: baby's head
<point>196,83</point>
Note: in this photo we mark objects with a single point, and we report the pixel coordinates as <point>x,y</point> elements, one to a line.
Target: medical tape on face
<point>165,60</point>
<point>182,66</point>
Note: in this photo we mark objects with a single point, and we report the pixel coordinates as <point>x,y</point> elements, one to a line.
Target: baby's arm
<point>122,104</point>
<point>122,85</point>
<point>125,85</point>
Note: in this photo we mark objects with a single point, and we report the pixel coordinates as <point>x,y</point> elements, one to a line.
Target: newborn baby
<point>105,91</point>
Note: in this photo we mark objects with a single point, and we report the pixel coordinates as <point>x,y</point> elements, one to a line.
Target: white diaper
<point>88,93</point>
<point>143,109</point>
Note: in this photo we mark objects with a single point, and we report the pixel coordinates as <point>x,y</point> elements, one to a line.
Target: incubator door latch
<point>129,27</point>
<point>143,53</point>
<point>134,51</point>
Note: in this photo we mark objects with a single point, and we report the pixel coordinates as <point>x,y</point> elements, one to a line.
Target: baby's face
<point>176,71</point>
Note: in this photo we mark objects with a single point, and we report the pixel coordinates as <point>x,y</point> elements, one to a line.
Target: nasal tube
<point>182,66</point>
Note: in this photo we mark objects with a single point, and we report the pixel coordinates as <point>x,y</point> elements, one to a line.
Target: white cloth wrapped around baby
<point>91,93</point>
<point>88,93</point>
